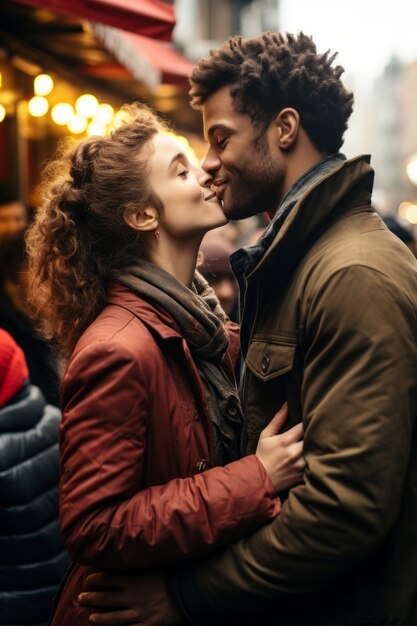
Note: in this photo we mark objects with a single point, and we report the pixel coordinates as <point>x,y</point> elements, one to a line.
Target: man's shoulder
<point>360,240</point>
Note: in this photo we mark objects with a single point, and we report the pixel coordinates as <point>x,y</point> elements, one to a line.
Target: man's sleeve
<point>359,378</point>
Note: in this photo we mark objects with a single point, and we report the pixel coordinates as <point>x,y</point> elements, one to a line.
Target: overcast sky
<point>365,32</point>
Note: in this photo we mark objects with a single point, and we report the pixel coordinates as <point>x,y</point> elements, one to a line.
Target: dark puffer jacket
<point>32,556</point>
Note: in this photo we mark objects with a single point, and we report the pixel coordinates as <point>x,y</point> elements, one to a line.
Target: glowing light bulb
<point>104,114</point>
<point>86,105</point>
<point>402,209</point>
<point>120,118</point>
<point>2,113</point>
<point>95,128</point>
<point>77,125</point>
<point>411,214</point>
<point>38,106</point>
<point>62,113</point>
<point>412,169</point>
<point>43,85</point>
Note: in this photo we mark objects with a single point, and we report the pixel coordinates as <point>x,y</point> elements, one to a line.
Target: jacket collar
<point>149,314</point>
<point>345,189</point>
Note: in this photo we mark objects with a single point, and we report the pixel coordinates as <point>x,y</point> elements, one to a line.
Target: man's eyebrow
<point>215,127</point>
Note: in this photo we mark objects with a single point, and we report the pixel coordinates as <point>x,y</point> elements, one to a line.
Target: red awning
<point>147,60</point>
<point>151,18</point>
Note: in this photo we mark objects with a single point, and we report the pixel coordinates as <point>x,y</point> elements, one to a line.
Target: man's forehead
<point>219,113</point>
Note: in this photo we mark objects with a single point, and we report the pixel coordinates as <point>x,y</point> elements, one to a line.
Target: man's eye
<point>222,142</point>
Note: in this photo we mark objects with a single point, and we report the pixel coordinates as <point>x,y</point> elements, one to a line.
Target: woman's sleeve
<point>107,521</point>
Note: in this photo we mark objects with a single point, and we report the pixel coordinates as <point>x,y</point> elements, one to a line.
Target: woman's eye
<point>184,173</point>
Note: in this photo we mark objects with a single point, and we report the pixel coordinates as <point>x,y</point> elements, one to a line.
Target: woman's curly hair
<point>80,238</point>
<point>274,71</point>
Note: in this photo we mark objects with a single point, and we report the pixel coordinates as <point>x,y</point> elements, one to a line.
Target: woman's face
<point>189,209</point>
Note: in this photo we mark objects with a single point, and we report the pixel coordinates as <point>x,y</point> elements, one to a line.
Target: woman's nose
<point>205,179</point>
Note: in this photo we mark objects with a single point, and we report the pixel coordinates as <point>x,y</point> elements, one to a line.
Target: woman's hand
<point>282,455</point>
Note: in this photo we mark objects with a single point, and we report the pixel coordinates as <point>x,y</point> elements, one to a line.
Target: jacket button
<point>265,363</point>
<point>202,465</point>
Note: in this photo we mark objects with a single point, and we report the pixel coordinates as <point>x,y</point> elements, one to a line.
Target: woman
<point>148,397</point>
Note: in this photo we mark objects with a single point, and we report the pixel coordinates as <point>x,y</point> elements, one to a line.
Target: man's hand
<point>134,599</point>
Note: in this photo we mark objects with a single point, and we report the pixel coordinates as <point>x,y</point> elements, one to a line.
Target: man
<point>329,323</point>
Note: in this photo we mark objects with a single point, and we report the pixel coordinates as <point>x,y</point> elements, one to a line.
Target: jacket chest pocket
<point>272,377</point>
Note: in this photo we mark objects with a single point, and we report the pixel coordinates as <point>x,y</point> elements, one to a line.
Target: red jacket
<point>135,439</point>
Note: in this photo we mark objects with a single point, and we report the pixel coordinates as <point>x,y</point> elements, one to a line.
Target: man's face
<point>246,166</point>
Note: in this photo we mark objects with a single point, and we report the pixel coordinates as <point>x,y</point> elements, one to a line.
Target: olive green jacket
<point>334,334</point>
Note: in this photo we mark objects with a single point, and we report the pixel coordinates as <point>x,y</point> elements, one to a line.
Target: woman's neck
<point>177,258</point>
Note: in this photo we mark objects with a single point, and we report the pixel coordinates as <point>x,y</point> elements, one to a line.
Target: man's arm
<point>359,373</point>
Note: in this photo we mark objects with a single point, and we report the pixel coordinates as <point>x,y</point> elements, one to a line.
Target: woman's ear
<point>142,220</point>
<point>287,124</point>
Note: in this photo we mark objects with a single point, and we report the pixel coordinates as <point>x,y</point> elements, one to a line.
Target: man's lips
<point>219,185</point>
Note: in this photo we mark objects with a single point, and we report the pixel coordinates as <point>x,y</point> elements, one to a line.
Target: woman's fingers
<point>295,433</point>
<point>276,422</point>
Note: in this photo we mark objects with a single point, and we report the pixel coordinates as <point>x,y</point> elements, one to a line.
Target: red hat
<point>13,369</point>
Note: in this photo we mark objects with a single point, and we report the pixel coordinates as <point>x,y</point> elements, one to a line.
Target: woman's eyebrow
<point>180,156</point>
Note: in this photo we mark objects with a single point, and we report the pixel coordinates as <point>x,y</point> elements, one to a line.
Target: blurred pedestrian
<point>32,556</point>
<point>149,398</point>
<point>329,323</point>
<point>216,269</point>
<point>13,216</point>
<point>401,232</point>
<point>15,315</point>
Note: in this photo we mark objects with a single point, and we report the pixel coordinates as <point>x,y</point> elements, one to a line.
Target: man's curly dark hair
<point>274,71</point>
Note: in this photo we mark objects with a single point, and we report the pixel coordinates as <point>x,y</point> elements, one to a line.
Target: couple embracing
<point>180,500</point>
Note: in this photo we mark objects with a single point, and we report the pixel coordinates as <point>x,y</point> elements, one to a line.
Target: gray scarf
<point>200,318</point>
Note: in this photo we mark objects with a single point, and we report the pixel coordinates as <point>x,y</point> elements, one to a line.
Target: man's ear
<point>142,220</point>
<point>287,125</point>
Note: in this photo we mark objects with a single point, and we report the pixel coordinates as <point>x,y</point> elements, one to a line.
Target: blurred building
<point>387,157</point>
<point>395,137</point>
<point>203,24</point>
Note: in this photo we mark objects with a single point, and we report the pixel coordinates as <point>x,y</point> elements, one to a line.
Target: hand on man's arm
<point>139,598</point>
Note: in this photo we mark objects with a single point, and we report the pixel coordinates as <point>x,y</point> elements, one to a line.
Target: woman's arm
<point>107,520</point>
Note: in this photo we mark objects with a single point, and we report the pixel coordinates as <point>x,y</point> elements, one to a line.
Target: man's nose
<point>211,163</point>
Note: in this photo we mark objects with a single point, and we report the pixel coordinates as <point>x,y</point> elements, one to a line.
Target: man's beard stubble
<point>255,188</point>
